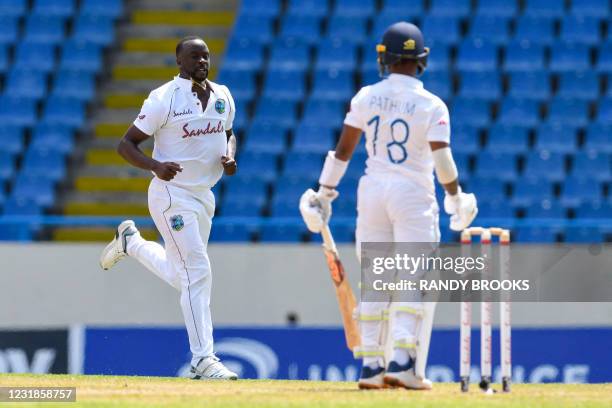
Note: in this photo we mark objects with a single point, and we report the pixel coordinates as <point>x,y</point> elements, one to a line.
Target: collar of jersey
<point>406,79</point>
<point>186,85</point>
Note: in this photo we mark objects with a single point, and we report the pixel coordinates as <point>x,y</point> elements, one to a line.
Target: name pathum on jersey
<point>399,118</point>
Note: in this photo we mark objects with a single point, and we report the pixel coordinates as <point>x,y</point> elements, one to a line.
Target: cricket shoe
<point>404,376</point>
<point>117,248</point>
<point>210,368</point>
<point>371,378</point>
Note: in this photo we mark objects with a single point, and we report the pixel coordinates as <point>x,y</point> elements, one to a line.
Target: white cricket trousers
<point>393,208</point>
<point>183,217</point>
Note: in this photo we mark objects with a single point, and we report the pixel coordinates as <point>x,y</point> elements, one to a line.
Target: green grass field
<point>102,391</point>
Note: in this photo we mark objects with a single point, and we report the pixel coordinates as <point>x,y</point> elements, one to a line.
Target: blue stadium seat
<point>536,30</point>
<point>480,85</point>
<point>545,8</point>
<point>519,112</point>
<point>597,209</point>
<point>399,8</point>
<point>94,29</point>
<point>27,84</point>
<point>356,167</point>
<point>266,8</point>
<point>604,61</point>
<point>64,111</point>
<point>355,8</point>
<point>507,139</point>
<point>347,28</point>
<point>281,231</point>
<point>45,164</point>
<point>286,85</point>
<point>287,193</point>
<point>392,15</point>
<point>546,209</point>
<point>591,8</point>
<point>493,29</point>
<point>289,56</point>
<point>439,83</point>
<point>500,166</point>
<point>241,83</point>
<point>259,163</point>
<point>10,29</point>
<point>108,8</point>
<point>577,189</point>
<point>556,138</point>
<point>313,139</point>
<point>569,58</point>
<point>580,30</point>
<point>438,59</point>
<point>304,28</point>
<point>257,29</point>
<point>236,208</point>
<point>598,138</point>
<point>12,139</point>
<point>530,234</point>
<point>281,112</point>
<point>229,232</point>
<point>490,188</point>
<point>568,112</point>
<point>326,113</point>
<point>529,85</point>
<point>524,56</point>
<point>17,111</point>
<point>13,8</point>
<point>4,59</point>
<point>476,55</point>
<point>370,77</point>
<point>333,85</point>
<point>497,8</point>
<point>545,165</point>
<point>582,235</point>
<point>451,8</point>
<point>7,166</point>
<point>465,139</point>
<point>336,54</point>
<point>245,55</point>
<point>52,138</point>
<point>529,191</point>
<point>593,165</point>
<point>75,85</point>
<point>44,29</point>
<point>80,56</point>
<point>578,85</point>
<point>303,165</point>
<point>604,111</point>
<point>463,165</point>
<point>265,138</point>
<point>493,209</point>
<point>441,30</point>
<point>40,56</point>
<point>316,8</point>
<point>21,206</point>
<point>473,112</point>
<point>39,190</point>
<point>61,8</point>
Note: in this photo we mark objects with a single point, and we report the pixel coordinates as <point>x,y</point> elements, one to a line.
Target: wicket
<point>486,311</point>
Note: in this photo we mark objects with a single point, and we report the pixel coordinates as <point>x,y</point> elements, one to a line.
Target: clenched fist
<point>167,170</point>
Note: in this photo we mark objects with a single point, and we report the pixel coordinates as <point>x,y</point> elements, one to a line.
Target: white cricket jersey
<point>399,118</point>
<point>186,133</point>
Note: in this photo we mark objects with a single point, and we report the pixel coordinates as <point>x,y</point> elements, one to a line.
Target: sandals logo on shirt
<point>220,106</point>
<point>177,222</point>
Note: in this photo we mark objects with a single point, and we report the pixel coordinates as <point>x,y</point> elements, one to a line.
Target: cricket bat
<point>344,292</point>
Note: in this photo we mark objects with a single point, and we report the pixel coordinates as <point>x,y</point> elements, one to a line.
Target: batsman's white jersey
<point>182,209</point>
<point>396,197</point>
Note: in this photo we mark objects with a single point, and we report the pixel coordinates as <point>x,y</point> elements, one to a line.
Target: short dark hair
<point>179,45</point>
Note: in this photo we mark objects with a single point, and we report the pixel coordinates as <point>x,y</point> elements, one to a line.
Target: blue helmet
<point>402,41</point>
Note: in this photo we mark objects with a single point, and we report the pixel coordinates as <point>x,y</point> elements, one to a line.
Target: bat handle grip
<point>328,239</point>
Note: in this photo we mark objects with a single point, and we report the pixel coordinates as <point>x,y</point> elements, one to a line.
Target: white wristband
<point>333,170</point>
<point>446,170</point>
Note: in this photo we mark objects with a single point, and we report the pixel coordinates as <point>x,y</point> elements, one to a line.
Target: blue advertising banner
<point>539,355</point>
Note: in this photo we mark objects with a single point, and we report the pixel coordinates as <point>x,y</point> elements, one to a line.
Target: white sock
<point>372,362</point>
<point>401,356</point>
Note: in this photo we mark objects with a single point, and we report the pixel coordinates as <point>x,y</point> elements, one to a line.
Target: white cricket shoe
<point>210,368</point>
<point>404,376</point>
<point>117,248</point>
<point>371,378</point>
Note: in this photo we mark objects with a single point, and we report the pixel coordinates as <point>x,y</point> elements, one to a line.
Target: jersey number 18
<point>396,149</point>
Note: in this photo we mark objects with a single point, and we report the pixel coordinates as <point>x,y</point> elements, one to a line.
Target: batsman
<point>407,133</point>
